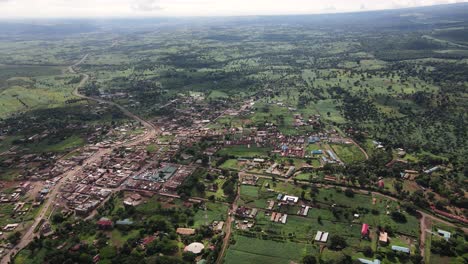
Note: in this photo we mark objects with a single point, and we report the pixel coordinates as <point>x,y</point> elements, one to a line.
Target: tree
<point>367,251</point>
<point>337,242</point>
<point>398,217</point>
<point>309,259</point>
<point>14,238</point>
<point>349,192</point>
<point>189,257</point>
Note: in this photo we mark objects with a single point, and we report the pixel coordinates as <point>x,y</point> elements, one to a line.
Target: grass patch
<point>244,151</point>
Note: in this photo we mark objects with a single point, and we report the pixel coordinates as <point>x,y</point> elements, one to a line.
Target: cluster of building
<point>163,180</point>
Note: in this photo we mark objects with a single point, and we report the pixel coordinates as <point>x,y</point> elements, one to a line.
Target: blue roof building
<point>124,222</point>
<point>401,249</point>
<point>313,140</point>
<point>317,152</point>
<point>279,196</point>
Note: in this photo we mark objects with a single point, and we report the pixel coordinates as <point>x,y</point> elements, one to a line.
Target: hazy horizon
<point>34,9</point>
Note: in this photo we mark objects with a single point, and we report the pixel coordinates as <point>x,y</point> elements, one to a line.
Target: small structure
<point>104,223</point>
<point>365,230</point>
<point>10,227</point>
<point>290,199</point>
<point>195,248</point>
<point>290,172</point>
<point>147,240</point>
<point>401,249</point>
<point>383,238</point>
<point>185,231</point>
<point>444,233</point>
<point>431,170</point>
<point>218,226</point>
<point>124,222</point>
<point>367,261</point>
<point>321,237</point>
<point>381,184</point>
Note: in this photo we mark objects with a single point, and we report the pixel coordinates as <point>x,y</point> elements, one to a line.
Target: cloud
<point>146,5</point>
<point>329,8</point>
<point>144,8</point>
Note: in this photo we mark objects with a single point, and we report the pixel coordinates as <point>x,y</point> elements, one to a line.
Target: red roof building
<point>365,230</point>
<point>148,240</point>
<point>104,223</point>
<point>381,184</point>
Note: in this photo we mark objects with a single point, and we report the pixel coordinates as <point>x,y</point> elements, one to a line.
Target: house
<point>104,223</point>
<point>185,231</point>
<point>284,218</point>
<point>321,237</point>
<point>317,152</point>
<point>124,222</point>
<point>245,212</point>
<point>291,171</point>
<point>365,230</point>
<point>366,261</point>
<point>383,238</point>
<point>218,226</point>
<point>431,170</point>
<point>444,233</point>
<point>381,184</point>
<point>290,199</point>
<point>10,227</point>
<point>401,249</point>
<point>147,240</point>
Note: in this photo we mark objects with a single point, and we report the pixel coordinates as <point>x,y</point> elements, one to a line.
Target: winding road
<point>151,132</point>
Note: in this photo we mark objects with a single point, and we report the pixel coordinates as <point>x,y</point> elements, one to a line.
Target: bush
<point>398,217</point>
<point>309,259</point>
<point>349,192</point>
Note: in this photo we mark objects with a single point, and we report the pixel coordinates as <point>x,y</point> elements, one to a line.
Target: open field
<point>244,151</point>
<point>266,251</point>
<point>348,153</point>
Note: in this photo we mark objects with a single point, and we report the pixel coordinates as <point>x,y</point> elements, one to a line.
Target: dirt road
<point>228,231</point>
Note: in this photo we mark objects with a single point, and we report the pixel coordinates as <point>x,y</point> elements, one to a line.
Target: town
<point>272,139</point>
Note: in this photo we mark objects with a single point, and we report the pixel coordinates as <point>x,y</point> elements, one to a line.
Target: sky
<point>155,8</point>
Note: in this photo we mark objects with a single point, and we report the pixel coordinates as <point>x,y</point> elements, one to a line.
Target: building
<point>367,261</point>
<point>104,223</point>
<point>444,233</point>
<point>185,231</point>
<point>290,199</point>
<point>401,249</point>
<point>124,222</point>
<point>365,230</point>
<point>321,237</point>
<point>195,248</point>
<point>383,238</point>
<point>291,171</point>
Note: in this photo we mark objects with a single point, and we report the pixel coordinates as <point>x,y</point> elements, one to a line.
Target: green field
<point>348,153</point>
<point>244,151</point>
<point>214,212</point>
<point>266,251</point>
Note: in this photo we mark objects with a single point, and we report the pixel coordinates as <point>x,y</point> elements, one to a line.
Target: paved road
<point>68,176</point>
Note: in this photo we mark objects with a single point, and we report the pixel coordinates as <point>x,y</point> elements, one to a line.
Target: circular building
<point>195,248</point>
